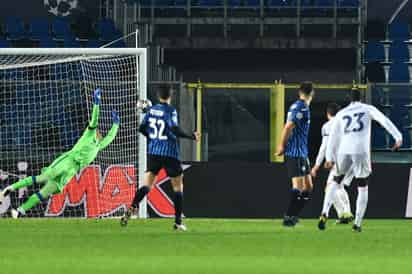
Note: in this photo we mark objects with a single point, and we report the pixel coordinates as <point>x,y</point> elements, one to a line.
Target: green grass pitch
<point>40,246</point>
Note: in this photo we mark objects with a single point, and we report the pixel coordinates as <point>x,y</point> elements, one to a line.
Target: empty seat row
<point>58,28</point>
<point>398,51</point>
<point>47,42</point>
<point>238,3</point>
<point>397,72</point>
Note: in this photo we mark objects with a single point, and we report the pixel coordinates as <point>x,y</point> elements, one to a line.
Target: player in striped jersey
<point>294,145</point>
<point>160,126</point>
<point>341,201</point>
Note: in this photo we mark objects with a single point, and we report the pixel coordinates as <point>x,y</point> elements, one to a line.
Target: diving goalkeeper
<point>65,167</point>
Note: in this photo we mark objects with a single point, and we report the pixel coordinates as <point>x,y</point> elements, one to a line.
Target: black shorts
<point>172,165</point>
<point>297,166</point>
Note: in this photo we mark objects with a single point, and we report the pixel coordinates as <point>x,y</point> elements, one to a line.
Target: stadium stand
<point>15,28</point>
<point>348,3</point>
<point>399,73</point>
<point>374,52</point>
<point>107,30</point>
<point>38,29</point>
<point>61,29</point>
<point>71,43</point>
<point>47,42</point>
<point>4,43</point>
<point>399,52</point>
<point>398,31</point>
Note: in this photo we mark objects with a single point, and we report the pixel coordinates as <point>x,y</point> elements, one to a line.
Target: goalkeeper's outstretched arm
<point>112,132</point>
<point>96,107</point>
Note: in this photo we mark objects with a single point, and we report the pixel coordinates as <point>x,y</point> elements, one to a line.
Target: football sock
<point>141,193</point>
<point>28,181</point>
<point>361,204</point>
<point>338,204</point>
<point>30,203</point>
<point>294,200</point>
<point>178,201</point>
<point>344,198</point>
<point>304,199</point>
<point>329,197</point>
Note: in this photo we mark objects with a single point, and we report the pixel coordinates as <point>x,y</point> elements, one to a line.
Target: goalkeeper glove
<point>115,116</point>
<point>96,96</point>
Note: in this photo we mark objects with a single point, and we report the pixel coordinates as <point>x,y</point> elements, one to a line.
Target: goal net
<point>45,105</point>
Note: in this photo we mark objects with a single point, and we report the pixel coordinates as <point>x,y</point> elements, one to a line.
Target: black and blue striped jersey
<point>297,145</point>
<point>158,125</point>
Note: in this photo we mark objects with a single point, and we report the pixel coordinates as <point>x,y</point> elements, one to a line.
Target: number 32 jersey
<point>351,130</point>
<point>159,120</point>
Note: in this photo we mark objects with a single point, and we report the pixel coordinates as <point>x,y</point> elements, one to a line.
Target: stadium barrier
<point>243,121</point>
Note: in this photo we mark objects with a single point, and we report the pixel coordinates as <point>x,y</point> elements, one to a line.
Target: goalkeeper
<point>65,167</point>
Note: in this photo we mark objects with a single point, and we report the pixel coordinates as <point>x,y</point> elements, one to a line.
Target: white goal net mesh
<point>45,104</point>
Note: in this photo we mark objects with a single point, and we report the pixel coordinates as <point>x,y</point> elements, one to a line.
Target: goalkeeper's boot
<point>356,228</point>
<point>322,222</point>
<point>6,192</point>
<point>179,227</point>
<point>126,216</point>
<point>15,213</point>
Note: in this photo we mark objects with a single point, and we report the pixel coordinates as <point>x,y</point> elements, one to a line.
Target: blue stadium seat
<point>399,73</point>
<point>146,3</point>
<point>47,42</point>
<point>4,43</point>
<point>181,3</point>
<point>252,3</point>
<point>93,43</point>
<point>71,43</point>
<point>61,28</point>
<point>15,28</point>
<point>374,52</point>
<point>398,31</point>
<point>325,3</point>
<point>348,3</point>
<point>107,30</point>
<point>234,3</point>
<point>39,28</point>
<point>399,52</point>
<point>307,3</point>
<point>210,3</point>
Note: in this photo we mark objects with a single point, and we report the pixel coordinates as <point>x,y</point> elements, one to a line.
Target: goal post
<point>45,104</point>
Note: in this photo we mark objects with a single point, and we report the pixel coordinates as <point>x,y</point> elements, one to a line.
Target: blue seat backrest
<point>374,52</point>
<point>399,73</point>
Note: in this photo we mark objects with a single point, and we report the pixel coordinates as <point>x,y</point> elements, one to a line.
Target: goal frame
<point>141,56</point>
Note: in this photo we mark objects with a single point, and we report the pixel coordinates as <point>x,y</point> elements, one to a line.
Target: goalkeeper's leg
<point>48,190</point>
<point>28,181</point>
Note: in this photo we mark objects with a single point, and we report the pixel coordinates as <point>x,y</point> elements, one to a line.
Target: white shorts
<point>347,179</point>
<point>358,164</point>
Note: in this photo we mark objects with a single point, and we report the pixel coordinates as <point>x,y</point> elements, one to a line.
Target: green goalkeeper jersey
<point>85,150</point>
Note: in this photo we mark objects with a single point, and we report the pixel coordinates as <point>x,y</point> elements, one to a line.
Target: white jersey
<point>325,135</point>
<point>350,132</point>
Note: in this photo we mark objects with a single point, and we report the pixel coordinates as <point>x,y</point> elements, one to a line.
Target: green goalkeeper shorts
<point>61,171</point>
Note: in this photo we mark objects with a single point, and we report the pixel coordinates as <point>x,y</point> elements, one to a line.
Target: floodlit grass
<point>210,246</point>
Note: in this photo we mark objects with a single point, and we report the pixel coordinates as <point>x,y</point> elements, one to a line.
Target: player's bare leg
<point>177,184</point>
<point>148,182</point>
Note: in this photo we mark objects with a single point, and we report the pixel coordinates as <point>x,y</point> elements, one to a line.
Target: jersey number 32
<point>158,129</point>
<point>354,123</point>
